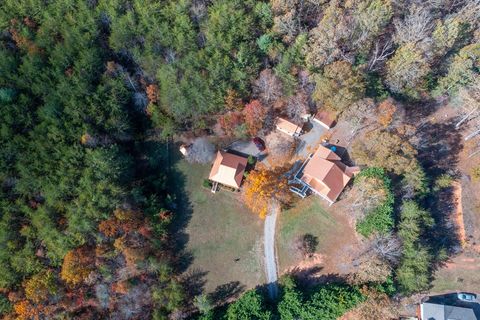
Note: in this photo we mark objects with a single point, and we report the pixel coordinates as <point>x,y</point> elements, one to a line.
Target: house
<point>324,119</point>
<point>288,127</point>
<point>227,170</point>
<point>440,311</point>
<point>324,174</point>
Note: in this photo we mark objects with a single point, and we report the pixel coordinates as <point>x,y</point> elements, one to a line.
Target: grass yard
<point>335,236</point>
<point>220,231</point>
<point>461,273</point>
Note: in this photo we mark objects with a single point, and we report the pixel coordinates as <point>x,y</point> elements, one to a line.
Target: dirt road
<point>269,248</point>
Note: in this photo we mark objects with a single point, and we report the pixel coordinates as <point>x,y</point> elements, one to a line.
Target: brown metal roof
<point>325,118</point>
<point>228,169</point>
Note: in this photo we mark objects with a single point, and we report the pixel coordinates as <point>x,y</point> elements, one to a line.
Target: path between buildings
<point>269,248</point>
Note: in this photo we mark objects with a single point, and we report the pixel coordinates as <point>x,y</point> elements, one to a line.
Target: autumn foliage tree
<point>386,111</point>
<point>77,265</point>
<point>265,187</point>
<point>232,123</point>
<point>40,286</point>
<point>255,114</point>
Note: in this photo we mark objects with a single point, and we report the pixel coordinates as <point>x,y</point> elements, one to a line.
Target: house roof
<point>434,311</point>
<point>287,126</point>
<point>228,169</point>
<point>326,174</point>
<point>324,117</point>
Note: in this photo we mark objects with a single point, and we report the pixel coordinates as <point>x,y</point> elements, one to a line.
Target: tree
<point>263,188</point>
<point>201,151</point>
<point>338,86</point>
<point>255,114</point>
<point>324,41</point>
<point>267,87</point>
<point>446,35</point>
<point>416,26</point>
<point>309,244</point>
<point>370,19</point>
<point>373,202</point>
<point>203,304</point>
<point>249,307</point>
<point>39,287</point>
<point>167,297</point>
<point>77,265</point>
<point>386,111</point>
<point>370,269</point>
<point>406,71</point>
<point>292,302</point>
<point>378,306</point>
<point>233,124</point>
<point>297,107</point>
<point>5,305</point>
<point>462,71</point>
<point>413,273</point>
<point>385,149</point>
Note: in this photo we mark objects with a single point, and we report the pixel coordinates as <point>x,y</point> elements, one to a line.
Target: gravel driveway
<point>270,257</point>
<point>310,139</point>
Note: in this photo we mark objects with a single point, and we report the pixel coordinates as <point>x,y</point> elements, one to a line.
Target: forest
<point>94,92</point>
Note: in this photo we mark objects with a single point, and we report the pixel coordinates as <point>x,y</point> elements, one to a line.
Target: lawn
<point>224,238</point>
<point>309,216</point>
<point>461,273</point>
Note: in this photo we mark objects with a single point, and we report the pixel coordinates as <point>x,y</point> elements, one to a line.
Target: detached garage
<point>325,119</point>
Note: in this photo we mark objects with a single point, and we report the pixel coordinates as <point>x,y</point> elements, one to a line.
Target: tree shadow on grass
<point>226,292</point>
<point>182,207</point>
<point>194,282</point>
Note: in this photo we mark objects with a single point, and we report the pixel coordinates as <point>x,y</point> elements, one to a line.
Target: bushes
<point>327,302</point>
<point>379,219</point>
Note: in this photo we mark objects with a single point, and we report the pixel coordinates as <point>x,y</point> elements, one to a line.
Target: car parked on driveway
<point>467,297</point>
<point>259,143</point>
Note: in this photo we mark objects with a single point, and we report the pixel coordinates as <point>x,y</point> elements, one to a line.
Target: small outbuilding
<point>227,169</point>
<point>325,119</point>
<point>288,127</point>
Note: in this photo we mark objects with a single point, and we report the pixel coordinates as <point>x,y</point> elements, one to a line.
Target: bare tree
<point>267,87</point>
<point>360,114</point>
<point>387,247</point>
<point>200,151</point>
<point>380,53</point>
<point>416,26</point>
<point>468,100</point>
<point>297,107</point>
<point>370,269</point>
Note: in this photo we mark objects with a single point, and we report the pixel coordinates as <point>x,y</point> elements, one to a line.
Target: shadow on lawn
<point>226,292</point>
<point>181,206</point>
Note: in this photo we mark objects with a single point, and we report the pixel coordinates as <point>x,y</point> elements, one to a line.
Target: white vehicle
<point>467,297</point>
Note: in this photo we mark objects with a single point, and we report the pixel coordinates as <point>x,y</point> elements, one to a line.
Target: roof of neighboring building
<point>326,174</point>
<point>288,126</point>
<point>326,118</point>
<point>228,169</point>
<point>433,311</point>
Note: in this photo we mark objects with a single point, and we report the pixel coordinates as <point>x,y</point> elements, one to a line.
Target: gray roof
<point>433,311</point>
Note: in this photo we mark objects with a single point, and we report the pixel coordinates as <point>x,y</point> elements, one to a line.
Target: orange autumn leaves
<point>263,187</point>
